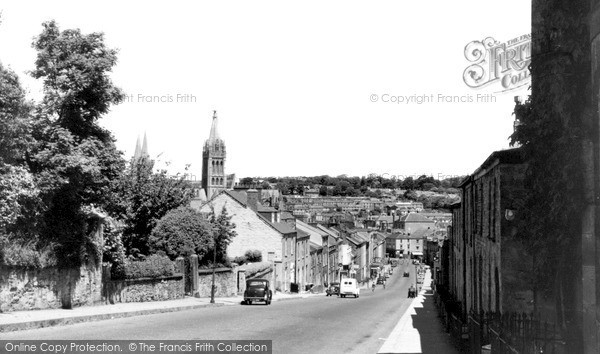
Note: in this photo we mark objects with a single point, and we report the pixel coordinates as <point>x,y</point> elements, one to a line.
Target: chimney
<point>252,195</point>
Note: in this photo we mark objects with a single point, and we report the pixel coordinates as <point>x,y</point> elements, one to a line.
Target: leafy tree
<point>408,183</point>
<point>224,234</point>
<point>72,158</point>
<point>253,256</point>
<point>141,197</point>
<point>182,232</point>
<point>18,192</point>
<point>247,180</point>
<point>323,191</point>
<point>15,119</point>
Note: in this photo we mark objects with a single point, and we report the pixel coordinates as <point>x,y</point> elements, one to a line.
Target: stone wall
<point>226,281</point>
<point>36,289</point>
<point>144,289</point>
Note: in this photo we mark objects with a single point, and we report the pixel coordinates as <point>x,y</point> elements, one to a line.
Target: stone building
<point>254,232</point>
<point>412,222</point>
<point>489,269</point>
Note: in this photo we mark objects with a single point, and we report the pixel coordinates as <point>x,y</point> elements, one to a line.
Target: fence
<point>513,333</point>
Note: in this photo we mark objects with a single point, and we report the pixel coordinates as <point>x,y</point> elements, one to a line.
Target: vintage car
<point>333,289</point>
<point>257,290</point>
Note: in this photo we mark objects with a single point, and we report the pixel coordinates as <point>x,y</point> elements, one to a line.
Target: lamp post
<point>212,287</point>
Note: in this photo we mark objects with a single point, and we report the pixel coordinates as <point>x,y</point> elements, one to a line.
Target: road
<point>312,325</point>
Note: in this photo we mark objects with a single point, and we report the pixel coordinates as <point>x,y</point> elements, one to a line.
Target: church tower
<point>214,179</point>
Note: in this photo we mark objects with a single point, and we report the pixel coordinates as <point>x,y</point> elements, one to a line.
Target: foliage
<point>15,119</point>
<point>253,256</point>
<point>72,158</point>
<point>224,234</point>
<point>18,194</point>
<point>153,266</point>
<point>15,253</point>
<point>255,268</point>
<point>141,197</point>
<point>77,87</point>
<point>551,144</point>
<point>182,232</point>
<point>114,251</point>
<point>360,186</point>
<point>239,260</point>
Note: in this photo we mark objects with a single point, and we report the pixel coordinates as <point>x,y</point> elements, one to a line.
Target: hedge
<point>254,268</point>
<point>153,266</point>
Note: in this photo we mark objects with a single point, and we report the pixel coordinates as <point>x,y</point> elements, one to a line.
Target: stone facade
<point>490,269</point>
<point>36,289</point>
<point>253,232</point>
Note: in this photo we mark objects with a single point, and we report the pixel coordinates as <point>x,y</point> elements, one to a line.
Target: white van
<point>348,286</point>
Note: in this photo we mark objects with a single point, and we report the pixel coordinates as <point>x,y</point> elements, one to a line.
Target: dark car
<point>333,289</point>
<point>380,280</point>
<point>258,290</point>
<point>406,274</point>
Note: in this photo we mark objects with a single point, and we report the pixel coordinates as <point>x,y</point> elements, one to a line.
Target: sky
<point>300,88</point>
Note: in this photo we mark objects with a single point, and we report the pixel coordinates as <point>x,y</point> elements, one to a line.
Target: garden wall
<point>225,281</point>
<point>23,289</point>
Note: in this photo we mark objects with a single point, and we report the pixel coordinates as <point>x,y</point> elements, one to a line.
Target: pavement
<point>419,330</point>
<point>22,320</point>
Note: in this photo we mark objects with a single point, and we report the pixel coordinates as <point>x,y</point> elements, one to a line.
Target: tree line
<point>355,186</point>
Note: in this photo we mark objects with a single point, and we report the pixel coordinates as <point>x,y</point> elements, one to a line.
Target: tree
<point>15,119</point>
<point>323,191</point>
<point>18,192</point>
<point>182,232</point>
<point>141,197</point>
<point>408,183</point>
<point>247,181</point>
<point>224,234</point>
<point>72,158</point>
<point>253,256</point>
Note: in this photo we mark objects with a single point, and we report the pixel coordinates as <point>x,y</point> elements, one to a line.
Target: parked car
<point>349,287</point>
<point>257,290</point>
<point>380,280</point>
<point>333,289</point>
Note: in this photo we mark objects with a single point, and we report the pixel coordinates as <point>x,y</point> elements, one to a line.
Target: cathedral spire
<point>144,151</point>
<point>214,134</point>
<point>136,154</point>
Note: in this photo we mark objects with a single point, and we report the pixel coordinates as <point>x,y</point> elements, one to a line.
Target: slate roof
<point>283,227</point>
<point>415,217</point>
<point>240,196</point>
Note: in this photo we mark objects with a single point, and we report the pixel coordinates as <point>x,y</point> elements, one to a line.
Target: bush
<point>253,256</point>
<point>255,268</point>
<point>239,260</point>
<point>153,266</point>
<point>182,232</point>
<point>25,255</point>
